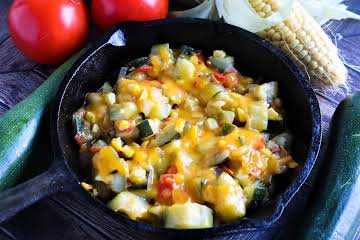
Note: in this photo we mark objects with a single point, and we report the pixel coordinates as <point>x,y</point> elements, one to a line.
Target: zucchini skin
<point>334,211</point>
<point>19,127</point>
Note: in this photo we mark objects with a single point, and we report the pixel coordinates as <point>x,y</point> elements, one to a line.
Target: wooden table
<point>60,216</point>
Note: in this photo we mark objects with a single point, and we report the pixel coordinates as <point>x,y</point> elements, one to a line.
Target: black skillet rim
<point>238,226</point>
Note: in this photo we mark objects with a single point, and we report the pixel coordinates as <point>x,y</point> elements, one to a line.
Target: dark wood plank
<point>15,86</point>
<point>11,59</point>
<point>4,6</point>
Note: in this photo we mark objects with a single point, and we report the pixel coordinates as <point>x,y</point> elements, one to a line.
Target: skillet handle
<point>56,179</point>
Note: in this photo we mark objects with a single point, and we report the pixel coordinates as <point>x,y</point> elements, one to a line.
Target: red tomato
<point>229,80</point>
<point>165,187</point>
<point>48,32</point>
<point>107,13</point>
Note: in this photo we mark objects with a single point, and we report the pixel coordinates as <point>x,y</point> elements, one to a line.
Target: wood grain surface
<point>62,216</point>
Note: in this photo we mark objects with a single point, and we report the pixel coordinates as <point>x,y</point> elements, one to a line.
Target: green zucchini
<point>106,88</point>
<point>257,193</point>
<point>222,64</point>
<point>19,126</point>
<point>333,211</point>
<point>210,90</point>
<point>188,216</point>
<point>186,51</point>
<point>129,203</point>
<point>165,136</point>
<point>146,128</point>
<point>224,116</point>
<point>226,129</point>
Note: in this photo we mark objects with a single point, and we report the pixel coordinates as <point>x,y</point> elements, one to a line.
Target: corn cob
<point>303,39</point>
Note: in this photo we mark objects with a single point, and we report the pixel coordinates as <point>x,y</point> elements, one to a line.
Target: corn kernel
<point>179,125</point>
<point>219,54</point>
<point>110,98</point>
<point>86,186</point>
<point>89,116</point>
<point>122,125</point>
<point>135,89</point>
<point>273,115</point>
<point>128,151</point>
<point>117,144</point>
<point>242,115</point>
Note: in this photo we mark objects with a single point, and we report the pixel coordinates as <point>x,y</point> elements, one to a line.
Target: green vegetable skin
<point>335,209</point>
<point>19,126</point>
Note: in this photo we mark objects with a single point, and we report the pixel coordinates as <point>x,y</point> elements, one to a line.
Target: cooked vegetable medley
<point>182,141</point>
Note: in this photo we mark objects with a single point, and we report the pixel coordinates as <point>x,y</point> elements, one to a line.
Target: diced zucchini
<point>106,88</point>
<point>122,112</point>
<point>258,116</point>
<point>185,69</point>
<point>131,204</point>
<point>243,178</point>
<point>159,211</point>
<point>155,50</point>
<point>147,128</point>
<point>139,177</point>
<point>226,129</point>
<point>100,143</point>
<point>219,158</point>
<point>265,92</point>
<point>284,140</point>
<point>117,183</point>
<point>160,111</point>
<point>222,64</point>
<point>210,90</point>
<point>103,191</point>
<point>256,194</point>
<point>116,113</point>
<point>188,216</point>
<point>230,201</point>
<point>186,51</point>
<point>225,116</point>
<point>211,123</point>
<point>165,136</point>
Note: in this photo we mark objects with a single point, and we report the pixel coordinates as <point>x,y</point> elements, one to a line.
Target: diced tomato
<point>95,148</point>
<point>259,144</point>
<point>165,187</point>
<point>172,170</point>
<point>80,140</point>
<point>219,77</point>
<point>228,170</point>
<point>144,69</point>
<point>229,80</point>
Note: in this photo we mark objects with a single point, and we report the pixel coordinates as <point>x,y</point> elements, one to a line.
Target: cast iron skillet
<point>254,57</point>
